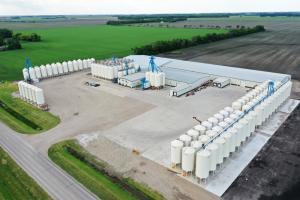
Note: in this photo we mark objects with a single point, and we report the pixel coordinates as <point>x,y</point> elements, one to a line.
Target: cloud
<point>37,7</point>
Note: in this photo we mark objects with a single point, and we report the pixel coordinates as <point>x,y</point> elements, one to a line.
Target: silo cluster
<point>56,69</point>
<point>113,69</point>
<point>156,79</point>
<point>31,93</point>
<point>204,147</point>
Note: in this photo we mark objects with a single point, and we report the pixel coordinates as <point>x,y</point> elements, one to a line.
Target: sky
<point>65,7</point>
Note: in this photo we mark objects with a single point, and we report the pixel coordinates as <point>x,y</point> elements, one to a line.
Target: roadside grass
<point>62,44</point>
<point>89,171</point>
<point>21,116</point>
<point>15,184</point>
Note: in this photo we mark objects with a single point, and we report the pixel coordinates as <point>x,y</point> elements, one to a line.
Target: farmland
<point>61,44</point>
<point>15,184</point>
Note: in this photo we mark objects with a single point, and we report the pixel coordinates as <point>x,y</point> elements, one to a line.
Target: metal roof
<point>182,75</point>
<point>211,69</point>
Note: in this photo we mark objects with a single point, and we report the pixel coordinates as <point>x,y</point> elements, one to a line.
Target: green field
<point>21,116</point>
<point>15,184</point>
<point>60,44</point>
<point>91,173</point>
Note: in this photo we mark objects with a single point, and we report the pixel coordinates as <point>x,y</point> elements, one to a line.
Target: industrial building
<point>234,104</point>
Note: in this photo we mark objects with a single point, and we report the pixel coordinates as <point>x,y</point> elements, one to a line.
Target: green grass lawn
<point>60,44</point>
<point>25,114</point>
<point>15,184</point>
<point>90,172</point>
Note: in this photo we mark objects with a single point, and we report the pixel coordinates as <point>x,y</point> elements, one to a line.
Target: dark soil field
<point>275,50</point>
<point>274,174</point>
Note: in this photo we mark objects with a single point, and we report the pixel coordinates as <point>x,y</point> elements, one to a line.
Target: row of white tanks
<point>204,147</point>
<point>156,79</point>
<point>111,72</point>
<point>258,93</point>
<point>56,69</point>
<point>31,93</point>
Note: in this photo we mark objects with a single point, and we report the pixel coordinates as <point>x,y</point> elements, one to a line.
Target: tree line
<point>10,41</point>
<point>171,45</point>
<point>137,21</point>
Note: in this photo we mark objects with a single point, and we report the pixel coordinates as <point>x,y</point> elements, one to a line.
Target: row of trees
<point>171,45</point>
<point>139,21</point>
<point>33,37</point>
<point>7,41</point>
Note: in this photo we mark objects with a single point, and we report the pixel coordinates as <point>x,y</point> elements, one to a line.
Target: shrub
<point>5,33</point>
<point>12,43</point>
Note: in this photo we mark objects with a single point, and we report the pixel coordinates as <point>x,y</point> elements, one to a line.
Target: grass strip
<point>21,116</point>
<point>15,184</point>
<point>92,174</point>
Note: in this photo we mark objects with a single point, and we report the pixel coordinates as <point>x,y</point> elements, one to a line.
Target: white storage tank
<point>54,69</point>
<point>176,149</point>
<point>219,117</point>
<point>59,68</point>
<point>20,89</point>
<point>220,142</point>
<point>32,89</point>
<point>188,159</point>
<point>217,129</point>
<point>228,145</point>
<point>43,71</point>
<point>65,67</point>
<point>32,74</point>
<point>193,134</point>
<point>147,76</point>
<point>224,113</point>
<point>237,105</point>
<point>228,120</point>
<point>213,121</point>
<point>211,133</point>
<point>27,91</point>
<point>201,129</point>
<point>240,133</point>
<point>223,125</point>
<point>246,108</point>
<point>213,149</point>
<point>229,109</point>
<point>207,125</point>
<point>38,72</point>
<point>202,164</point>
<point>238,112</point>
<point>203,139</point>
<point>26,74</point>
<point>49,70</point>
<point>185,139</point>
<point>75,65</point>
<point>152,79</point>
<point>196,144</point>
<point>233,116</point>
<point>234,138</point>
<point>70,66</point>
<point>85,64</point>
<point>80,64</point>
<point>251,125</point>
<point>246,127</point>
<point>31,93</point>
<point>40,99</point>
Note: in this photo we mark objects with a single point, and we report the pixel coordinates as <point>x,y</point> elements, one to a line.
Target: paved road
<point>56,182</point>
